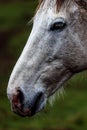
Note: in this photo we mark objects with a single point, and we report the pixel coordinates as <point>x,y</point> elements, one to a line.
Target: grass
<point>14,14</point>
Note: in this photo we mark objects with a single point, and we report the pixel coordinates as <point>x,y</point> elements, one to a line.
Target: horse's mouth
<point>31,109</point>
<point>22,113</point>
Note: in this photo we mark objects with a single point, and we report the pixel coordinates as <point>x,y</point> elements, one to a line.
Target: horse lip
<point>22,113</point>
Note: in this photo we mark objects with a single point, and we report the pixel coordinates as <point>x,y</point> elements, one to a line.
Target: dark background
<point>68,112</point>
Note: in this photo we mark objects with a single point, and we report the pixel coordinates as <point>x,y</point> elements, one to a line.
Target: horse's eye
<point>58,26</point>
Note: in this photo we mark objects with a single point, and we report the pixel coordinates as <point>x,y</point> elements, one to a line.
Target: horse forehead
<point>49,12</point>
<point>46,6</point>
<point>49,3</point>
<point>50,9</point>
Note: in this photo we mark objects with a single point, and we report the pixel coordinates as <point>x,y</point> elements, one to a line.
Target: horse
<point>55,51</point>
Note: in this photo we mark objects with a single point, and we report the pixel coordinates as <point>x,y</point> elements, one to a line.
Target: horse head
<point>55,51</point>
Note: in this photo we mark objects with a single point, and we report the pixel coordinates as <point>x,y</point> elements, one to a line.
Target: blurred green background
<point>68,112</point>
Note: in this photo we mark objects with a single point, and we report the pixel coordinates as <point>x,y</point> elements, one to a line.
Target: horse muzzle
<point>27,108</point>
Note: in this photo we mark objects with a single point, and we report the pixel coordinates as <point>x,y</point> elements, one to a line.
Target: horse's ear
<point>82,3</point>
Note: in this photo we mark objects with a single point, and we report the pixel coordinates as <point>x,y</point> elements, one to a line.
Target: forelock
<point>58,5</point>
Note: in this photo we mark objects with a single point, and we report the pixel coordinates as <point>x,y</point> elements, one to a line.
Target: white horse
<point>55,51</point>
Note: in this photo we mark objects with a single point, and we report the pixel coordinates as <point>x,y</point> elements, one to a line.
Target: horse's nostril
<point>17,99</point>
<point>20,95</point>
<point>39,97</point>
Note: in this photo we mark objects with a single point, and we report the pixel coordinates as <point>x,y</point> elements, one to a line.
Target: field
<point>68,112</point>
